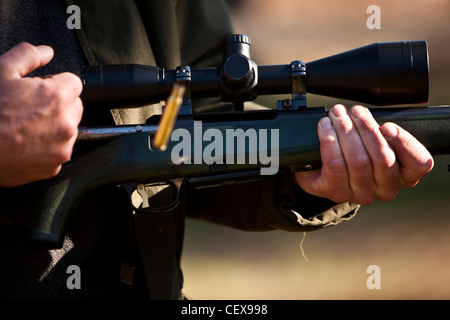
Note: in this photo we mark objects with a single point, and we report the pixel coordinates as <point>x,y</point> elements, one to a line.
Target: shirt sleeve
<point>275,203</point>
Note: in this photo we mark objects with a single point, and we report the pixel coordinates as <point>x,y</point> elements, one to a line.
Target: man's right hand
<point>39,117</point>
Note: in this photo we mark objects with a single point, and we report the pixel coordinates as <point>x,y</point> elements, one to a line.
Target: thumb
<point>24,58</point>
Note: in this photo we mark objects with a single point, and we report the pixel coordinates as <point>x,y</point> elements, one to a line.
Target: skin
<point>39,117</point>
<point>361,161</point>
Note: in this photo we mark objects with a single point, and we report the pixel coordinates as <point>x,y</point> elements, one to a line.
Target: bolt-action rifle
<point>381,74</point>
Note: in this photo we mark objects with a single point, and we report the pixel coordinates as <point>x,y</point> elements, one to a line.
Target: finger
<point>357,160</point>
<point>23,59</point>
<point>334,169</point>
<point>67,83</point>
<point>415,160</point>
<point>331,181</point>
<point>66,125</point>
<point>77,111</point>
<point>383,159</point>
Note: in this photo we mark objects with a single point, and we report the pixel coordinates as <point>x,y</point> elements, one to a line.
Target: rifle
<point>210,148</point>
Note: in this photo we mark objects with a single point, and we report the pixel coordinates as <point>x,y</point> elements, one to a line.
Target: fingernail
<point>339,110</point>
<point>358,111</point>
<point>45,50</point>
<point>389,130</point>
<point>325,123</point>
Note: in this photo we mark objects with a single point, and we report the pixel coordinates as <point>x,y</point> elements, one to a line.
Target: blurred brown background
<point>408,238</point>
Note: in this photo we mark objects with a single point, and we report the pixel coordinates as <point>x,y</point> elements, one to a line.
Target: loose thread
<point>301,247</point>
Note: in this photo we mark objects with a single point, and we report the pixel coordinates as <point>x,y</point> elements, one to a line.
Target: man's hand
<point>39,117</point>
<point>363,162</point>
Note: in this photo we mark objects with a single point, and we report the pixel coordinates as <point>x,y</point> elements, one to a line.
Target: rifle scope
<point>386,73</point>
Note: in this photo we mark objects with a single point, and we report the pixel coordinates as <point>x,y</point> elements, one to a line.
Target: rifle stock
<point>41,211</point>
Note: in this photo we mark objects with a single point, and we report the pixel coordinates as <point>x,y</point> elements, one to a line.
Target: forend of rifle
<point>381,74</point>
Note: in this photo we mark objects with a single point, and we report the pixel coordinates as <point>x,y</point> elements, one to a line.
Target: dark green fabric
<point>188,32</point>
<point>112,33</point>
<point>164,33</point>
<point>277,203</point>
<point>170,33</point>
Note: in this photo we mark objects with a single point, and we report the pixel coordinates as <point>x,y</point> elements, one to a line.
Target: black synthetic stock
<point>40,211</point>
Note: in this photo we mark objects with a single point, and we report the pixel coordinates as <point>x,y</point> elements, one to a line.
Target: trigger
<point>143,194</point>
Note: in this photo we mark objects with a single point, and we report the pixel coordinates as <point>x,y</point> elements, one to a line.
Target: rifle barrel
<point>109,132</point>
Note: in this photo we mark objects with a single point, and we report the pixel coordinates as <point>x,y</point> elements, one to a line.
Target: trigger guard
<point>132,187</point>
